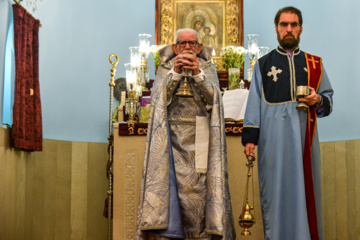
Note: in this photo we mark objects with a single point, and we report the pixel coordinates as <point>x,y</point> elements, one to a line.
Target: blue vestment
<point>278,128</point>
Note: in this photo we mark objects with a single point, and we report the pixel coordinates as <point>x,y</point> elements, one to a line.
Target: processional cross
<point>274,72</point>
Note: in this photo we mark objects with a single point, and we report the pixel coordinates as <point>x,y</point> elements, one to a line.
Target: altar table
<point>127,168</point>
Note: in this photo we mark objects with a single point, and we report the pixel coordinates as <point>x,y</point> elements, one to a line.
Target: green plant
<point>233,57</point>
<point>154,53</point>
<point>233,81</point>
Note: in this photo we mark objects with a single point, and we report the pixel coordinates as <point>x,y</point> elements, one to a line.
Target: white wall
<point>77,37</point>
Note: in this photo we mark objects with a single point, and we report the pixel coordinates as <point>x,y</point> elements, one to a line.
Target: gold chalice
<point>302,91</point>
<point>184,90</point>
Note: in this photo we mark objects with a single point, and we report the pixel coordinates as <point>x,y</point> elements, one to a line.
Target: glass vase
<point>234,78</point>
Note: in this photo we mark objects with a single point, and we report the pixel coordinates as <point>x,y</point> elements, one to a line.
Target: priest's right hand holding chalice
<point>307,97</point>
<point>186,61</point>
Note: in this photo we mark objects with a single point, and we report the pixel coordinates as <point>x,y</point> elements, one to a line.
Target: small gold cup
<point>302,91</point>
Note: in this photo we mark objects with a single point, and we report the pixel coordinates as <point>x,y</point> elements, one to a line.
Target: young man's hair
<point>286,10</point>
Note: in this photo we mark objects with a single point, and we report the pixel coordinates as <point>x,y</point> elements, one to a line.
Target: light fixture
<point>253,49</point>
<point>262,51</point>
<point>132,101</point>
<point>144,50</point>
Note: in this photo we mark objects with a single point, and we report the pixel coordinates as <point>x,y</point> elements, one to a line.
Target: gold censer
<point>247,219</point>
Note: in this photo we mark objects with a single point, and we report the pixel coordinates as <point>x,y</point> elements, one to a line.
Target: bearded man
<point>287,138</point>
<point>184,190</point>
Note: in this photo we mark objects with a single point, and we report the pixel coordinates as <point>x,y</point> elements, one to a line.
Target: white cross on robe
<point>274,72</point>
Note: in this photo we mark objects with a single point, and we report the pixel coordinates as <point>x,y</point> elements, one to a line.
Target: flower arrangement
<point>233,56</point>
<point>154,53</point>
<point>232,60</point>
<point>234,75</point>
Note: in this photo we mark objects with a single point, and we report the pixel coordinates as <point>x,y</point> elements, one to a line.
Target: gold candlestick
<point>143,74</point>
<point>251,69</point>
<point>132,105</point>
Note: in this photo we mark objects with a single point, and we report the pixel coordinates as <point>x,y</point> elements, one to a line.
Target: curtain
<point>27,120</point>
<point>9,73</point>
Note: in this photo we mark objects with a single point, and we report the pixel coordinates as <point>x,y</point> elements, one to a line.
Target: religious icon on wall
<point>218,22</point>
<point>206,18</point>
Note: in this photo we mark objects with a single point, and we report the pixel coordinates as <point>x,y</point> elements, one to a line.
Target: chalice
<point>184,90</point>
<point>302,91</point>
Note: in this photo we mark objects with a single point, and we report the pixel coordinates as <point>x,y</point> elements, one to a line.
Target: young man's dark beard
<point>288,42</point>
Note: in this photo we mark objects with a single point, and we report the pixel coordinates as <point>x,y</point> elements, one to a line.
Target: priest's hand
<point>312,99</point>
<point>249,149</point>
<point>186,61</point>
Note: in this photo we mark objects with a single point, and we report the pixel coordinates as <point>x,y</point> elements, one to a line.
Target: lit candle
<point>144,46</point>
<point>253,45</point>
<point>129,76</point>
<point>135,56</point>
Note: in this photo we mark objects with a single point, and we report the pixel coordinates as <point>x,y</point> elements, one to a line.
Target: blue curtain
<point>9,73</point>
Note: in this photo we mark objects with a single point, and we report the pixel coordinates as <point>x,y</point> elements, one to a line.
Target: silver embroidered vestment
<point>203,195</point>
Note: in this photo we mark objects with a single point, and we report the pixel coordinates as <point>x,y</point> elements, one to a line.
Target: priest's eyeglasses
<point>285,24</point>
<point>183,43</point>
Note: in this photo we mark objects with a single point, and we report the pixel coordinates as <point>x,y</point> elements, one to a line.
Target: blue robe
<point>278,128</point>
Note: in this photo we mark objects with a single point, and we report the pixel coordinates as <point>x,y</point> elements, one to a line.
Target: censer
<point>247,219</point>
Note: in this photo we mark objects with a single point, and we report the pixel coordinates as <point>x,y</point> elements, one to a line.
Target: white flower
<point>228,48</point>
<point>240,50</point>
<point>233,56</point>
<point>156,48</point>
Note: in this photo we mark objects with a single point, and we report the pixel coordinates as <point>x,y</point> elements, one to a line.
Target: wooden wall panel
<point>20,196</point>
<point>59,193</point>
<point>329,190</point>
<point>63,190</point>
<point>341,190</point>
<point>355,205</point>
<point>29,194</point>
<point>49,196</point>
<point>38,193</point>
<point>8,194</point>
<point>96,193</point>
<point>341,193</point>
<point>79,176</point>
<point>351,186</point>
<point>53,194</point>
